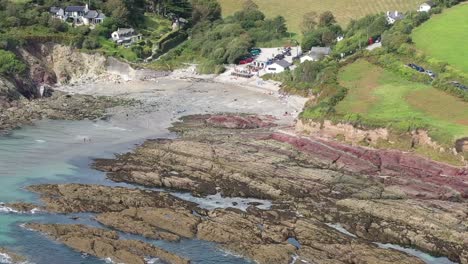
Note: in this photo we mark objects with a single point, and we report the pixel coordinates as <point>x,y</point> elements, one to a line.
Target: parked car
<point>246,61</point>
<point>255,51</point>
<point>279,57</point>
<point>459,85</point>
<point>416,67</point>
<point>431,74</point>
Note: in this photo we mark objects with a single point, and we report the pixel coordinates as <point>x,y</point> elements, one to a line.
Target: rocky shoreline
<point>380,197</point>
<point>60,106</point>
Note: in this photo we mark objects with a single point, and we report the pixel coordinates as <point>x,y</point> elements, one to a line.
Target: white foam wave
<point>110,261</point>
<point>6,209</point>
<point>5,258</point>
<point>152,261</point>
<point>40,141</point>
<point>35,210</point>
<point>230,253</point>
<point>9,210</point>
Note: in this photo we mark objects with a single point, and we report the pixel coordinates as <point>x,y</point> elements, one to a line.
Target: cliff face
<point>49,64</point>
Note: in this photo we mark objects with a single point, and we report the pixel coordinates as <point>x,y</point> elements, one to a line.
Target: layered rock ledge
<point>380,196</point>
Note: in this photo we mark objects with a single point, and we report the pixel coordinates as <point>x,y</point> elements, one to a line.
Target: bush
<point>9,64</point>
<point>91,43</point>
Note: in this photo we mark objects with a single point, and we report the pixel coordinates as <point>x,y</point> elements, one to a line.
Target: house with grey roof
<point>278,66</point>
<point>57,12</point>
<point>394,16</point>
<point>426,6</point>
<point>316,54</point>
<point>79,15</point>
<point>125,36</point>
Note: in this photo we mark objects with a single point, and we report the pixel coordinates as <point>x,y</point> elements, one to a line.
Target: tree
<point>311,39</point>
<point>118,10</point>
<point>326,19</point>
<point>279,24</point>
<point>309,22</point>
<point>205,10</point>
<point>249,5</point>
<point>328,37</point>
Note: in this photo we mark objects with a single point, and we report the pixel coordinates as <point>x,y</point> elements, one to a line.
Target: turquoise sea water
<point>54,152</point>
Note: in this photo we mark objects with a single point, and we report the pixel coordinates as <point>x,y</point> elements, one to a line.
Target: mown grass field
<point>379,95</point>
<point>445,37</point>
<point>344,10</point>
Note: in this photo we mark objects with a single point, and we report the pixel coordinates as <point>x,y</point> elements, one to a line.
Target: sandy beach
<point>165,99</point>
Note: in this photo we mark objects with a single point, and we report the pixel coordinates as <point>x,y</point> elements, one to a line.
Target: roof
<point>125,30</point>
<point>101,15</point>
<point>396,15</point>
<point>430,3</point>
<point>75,8</point>
<point>282,63</point>
<point>320,50</point>
<point>91,14</point>
<point>54,9</point>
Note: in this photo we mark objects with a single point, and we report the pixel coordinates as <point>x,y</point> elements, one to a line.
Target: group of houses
<point>83,15</point>
<point>394,16</point>
<point>78,15</point>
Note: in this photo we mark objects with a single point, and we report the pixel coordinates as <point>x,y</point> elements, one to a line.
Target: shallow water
<point>410,251</point>
<point>61,151</point>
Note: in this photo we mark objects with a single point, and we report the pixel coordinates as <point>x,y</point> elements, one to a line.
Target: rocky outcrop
<point>14,113</point>
<point>422,177</point>
<point>347,131</point>
<point>240,122</point>
<point>105,244</point>
<point>261,235</point>
<point>319,180</point>
<point>383,196</point>
<point>7,256</point>
<point>74,198</point>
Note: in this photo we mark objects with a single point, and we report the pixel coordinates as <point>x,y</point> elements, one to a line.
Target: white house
<point>394,16</point>
<point>278,66</point>
<point>316,54</point>
<point>78,14</point>
<point>426,6</point>
<point>125,36</point>
<point>57,12</point>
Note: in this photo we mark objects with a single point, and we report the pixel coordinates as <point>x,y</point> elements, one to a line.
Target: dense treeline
<point>214,41</point>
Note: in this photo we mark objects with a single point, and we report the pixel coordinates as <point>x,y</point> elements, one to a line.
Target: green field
<point>445,37</point>
<point>344,10</point>
<point>382,96</point>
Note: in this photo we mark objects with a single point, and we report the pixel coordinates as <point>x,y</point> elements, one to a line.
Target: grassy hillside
<point>344,10</point>
<point>384,97</point>
<point>445,37</point>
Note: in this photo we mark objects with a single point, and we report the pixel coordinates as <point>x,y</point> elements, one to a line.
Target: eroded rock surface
<point>311,183</point>
<point>105,244</point>
<point>386,196</point>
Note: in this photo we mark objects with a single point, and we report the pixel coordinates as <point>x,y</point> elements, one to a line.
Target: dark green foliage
<point>205,10</point>
<point>9,64</point>
<point>393,40</point>
<point>171,41</point>
<point>324,34</point>
<point>91,43</point>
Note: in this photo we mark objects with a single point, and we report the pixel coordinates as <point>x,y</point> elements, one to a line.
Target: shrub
<point>9,64</point>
